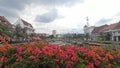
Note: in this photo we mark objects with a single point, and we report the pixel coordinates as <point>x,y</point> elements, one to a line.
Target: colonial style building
<point>25,24</point>
<point>113,30</point>
<point>96,31</point>
<point>88,29</point>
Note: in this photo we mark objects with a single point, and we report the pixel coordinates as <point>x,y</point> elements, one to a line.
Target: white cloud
<point>73,18</point>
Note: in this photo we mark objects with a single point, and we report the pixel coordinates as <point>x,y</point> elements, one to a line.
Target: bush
<point>44,55</point>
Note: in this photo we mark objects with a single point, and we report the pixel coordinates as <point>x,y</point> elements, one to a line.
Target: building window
<point>118,31</point>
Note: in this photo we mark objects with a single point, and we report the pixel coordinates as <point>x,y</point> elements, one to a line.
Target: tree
<point>87,36</point>
<point>102,36</point>
<point>20,32</point>
<point>51,36</point>
<point>33,34</point>
<point>24,32</point>
<point>5,31</point>
<point>107,36</point>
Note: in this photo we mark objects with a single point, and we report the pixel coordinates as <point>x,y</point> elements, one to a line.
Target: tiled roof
<point>112,26</point>
<point>98,29</point>
<point>26,23</point>
<point>106,27</point>
<point>5,22</point>
<point>118,25</point>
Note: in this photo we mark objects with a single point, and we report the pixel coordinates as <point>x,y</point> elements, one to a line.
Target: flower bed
<point>44,55</point>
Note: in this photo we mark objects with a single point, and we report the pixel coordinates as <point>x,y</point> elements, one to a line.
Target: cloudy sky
<point>65,16</point>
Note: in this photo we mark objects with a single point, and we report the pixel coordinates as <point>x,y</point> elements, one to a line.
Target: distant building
<point>54,33</point>
<point>59,35</point>
<point>5,22</point>
<point>25,24</point>
<point>96,31</point>
<point>88,29</point>
<point>42,35</point>
<point>113,30</point>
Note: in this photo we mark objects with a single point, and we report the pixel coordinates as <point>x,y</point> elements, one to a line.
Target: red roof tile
<point>5,22</point>
<point>98,29</point>
<point>106,27</point>
<point>26,23</point>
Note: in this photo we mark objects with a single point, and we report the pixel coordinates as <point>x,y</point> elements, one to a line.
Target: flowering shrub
<point>44,55</point>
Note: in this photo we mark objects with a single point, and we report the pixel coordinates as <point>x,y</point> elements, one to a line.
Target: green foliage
<point>5,31</point>
<point>87,36</point>
<point>104,36</point>
<point>20,32</point>
<point>42,55</point>
<point>51,36</point>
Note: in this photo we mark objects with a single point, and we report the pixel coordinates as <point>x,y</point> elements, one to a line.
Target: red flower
<point>110,56</point>
<point>73,58</point>
<point>2,58</point>
<point>32,57</point>
<point>97,63</point>
<point>109,65</point>
<point>56,60</point>
<point>68,64</point>
<point>19,50</point>
<point>90,65</point>
<point>18,58</point>
<point>36,60</point>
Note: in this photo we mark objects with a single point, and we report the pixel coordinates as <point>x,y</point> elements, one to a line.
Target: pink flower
<point>19,50</point>
<point>37,51</point>
<point>97,63</point>
<point>2,58</point>
<point>56,60</point>
<point>68,64</point>
<point>36,60</point>
<point>32,57</point>
<point>73,58</point>
<point>90,65</point>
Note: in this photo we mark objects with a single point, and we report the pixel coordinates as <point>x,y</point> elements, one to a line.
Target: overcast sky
<point>65,16</point>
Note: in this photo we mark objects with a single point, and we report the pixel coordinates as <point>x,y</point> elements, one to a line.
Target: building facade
<point>54,33</point>
<point>25,24</point>
<point>88,29</point>
<point>95,34</point>
<point>42,35</point>
<point>112,31</point>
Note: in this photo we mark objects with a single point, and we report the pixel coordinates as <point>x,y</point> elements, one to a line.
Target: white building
<point>88,29</point>
<point>54,33</point>
<point>25,24</point>
<point>113,30</point>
